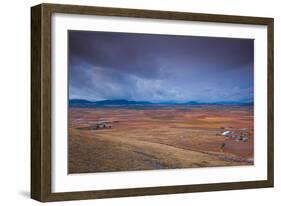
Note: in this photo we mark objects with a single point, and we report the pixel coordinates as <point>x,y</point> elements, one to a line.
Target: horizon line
<point>166,102</point>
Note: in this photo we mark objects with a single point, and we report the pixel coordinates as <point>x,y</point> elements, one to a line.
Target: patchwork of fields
<point>106,139</point>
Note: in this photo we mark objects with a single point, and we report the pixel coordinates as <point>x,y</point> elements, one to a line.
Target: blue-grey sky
<point>159,68</point>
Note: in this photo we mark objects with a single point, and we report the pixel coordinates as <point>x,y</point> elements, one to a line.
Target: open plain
<point>107,139</point>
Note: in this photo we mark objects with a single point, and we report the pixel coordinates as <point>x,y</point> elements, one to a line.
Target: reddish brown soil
<point>158,138</point>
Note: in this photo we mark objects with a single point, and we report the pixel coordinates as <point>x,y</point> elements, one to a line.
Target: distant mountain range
<point>123,102</point>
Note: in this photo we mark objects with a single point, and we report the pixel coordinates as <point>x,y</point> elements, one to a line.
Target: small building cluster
<point>102,125</point>
<point>98,125</point>
<point>237,135</point>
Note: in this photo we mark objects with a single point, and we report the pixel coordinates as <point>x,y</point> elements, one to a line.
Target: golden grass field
<point>158,138</point>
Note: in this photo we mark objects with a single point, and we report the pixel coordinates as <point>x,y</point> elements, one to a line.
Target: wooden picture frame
<point>41,116</point>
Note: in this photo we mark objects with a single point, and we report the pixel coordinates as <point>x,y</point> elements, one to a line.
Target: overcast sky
<point>159,68</point>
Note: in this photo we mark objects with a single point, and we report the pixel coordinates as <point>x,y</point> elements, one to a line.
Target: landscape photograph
<point>154,101</point>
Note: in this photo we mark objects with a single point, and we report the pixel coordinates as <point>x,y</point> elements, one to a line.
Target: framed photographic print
<point>132,102</point>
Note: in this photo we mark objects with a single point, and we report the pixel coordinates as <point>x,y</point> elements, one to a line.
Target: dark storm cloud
<point>106,65</point>
<point>114,51</point>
